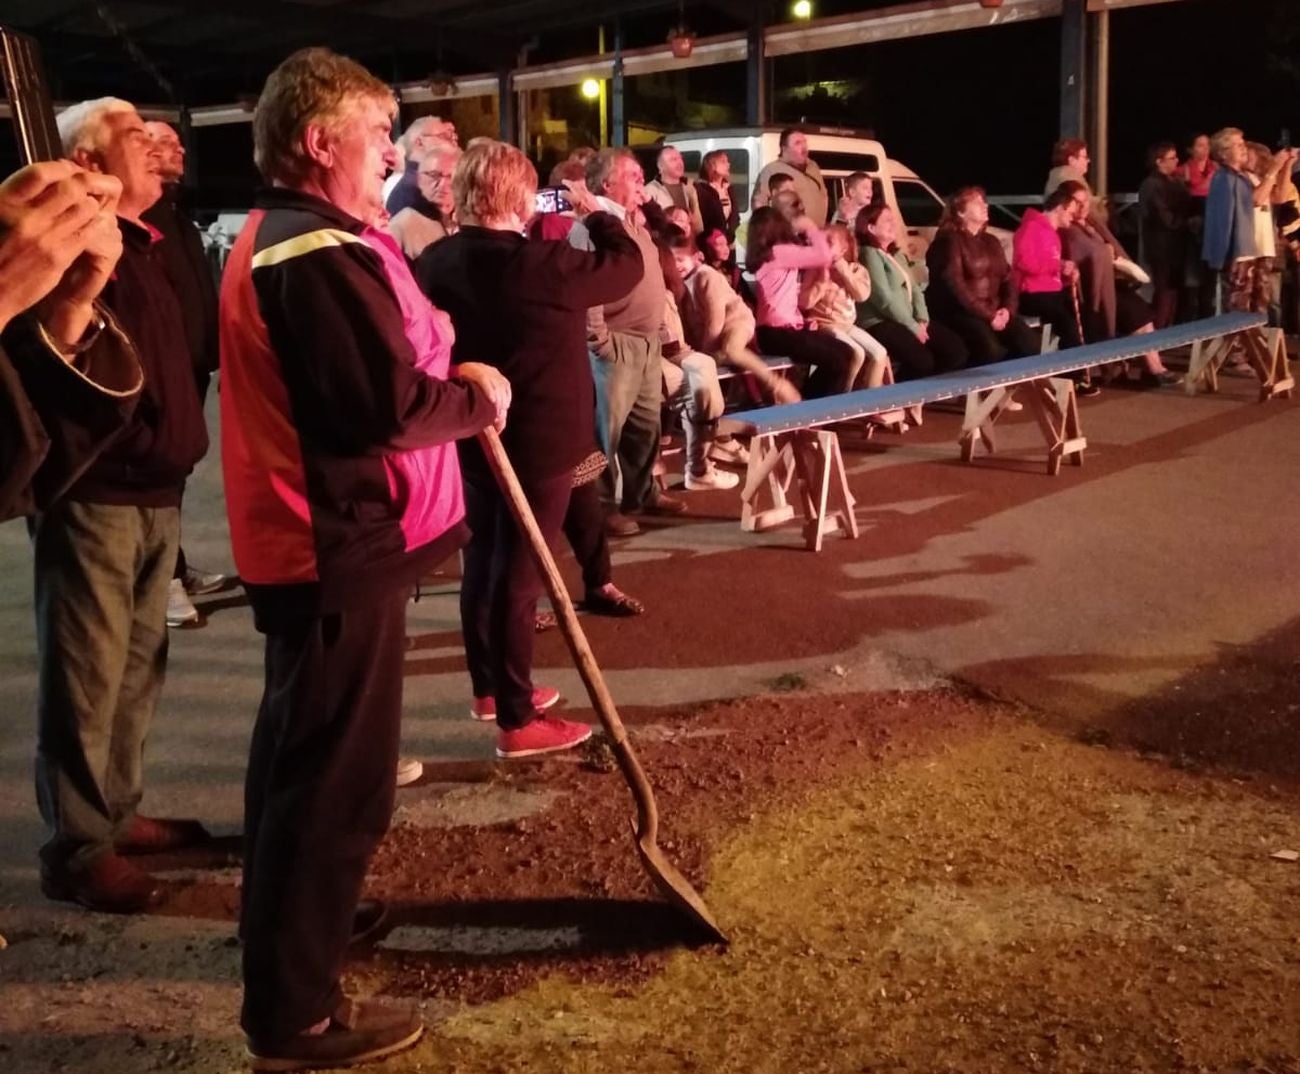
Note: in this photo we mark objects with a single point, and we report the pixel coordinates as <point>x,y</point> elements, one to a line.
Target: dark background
<point>979,106</point>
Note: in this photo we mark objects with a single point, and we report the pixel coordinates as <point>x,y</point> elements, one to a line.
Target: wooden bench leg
<point>1266,352</point>
<point>1207,357</point>
<point>982,412</point>
<point>1057,412</point>
<point>763,502</point>
<point>823,486</point>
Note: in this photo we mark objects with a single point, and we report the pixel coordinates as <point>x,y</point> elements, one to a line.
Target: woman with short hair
<point>971,288</point>
<point>520,305</point>
<point>1164,207</point>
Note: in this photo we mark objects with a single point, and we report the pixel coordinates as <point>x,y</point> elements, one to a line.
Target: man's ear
<point>318,146</point>
<point>87,159</point>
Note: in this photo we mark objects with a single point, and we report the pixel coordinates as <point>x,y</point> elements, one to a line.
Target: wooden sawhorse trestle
<point>810,461</point>
<point>1053,404</point>
<point>1265,350</point>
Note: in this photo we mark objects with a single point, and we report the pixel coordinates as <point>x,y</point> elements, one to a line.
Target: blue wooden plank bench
<point>791,445</point>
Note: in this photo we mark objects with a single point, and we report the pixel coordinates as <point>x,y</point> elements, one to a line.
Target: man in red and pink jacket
<point>339,412</point>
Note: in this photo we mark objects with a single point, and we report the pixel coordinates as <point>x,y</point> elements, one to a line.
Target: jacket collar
<point>279,197</point>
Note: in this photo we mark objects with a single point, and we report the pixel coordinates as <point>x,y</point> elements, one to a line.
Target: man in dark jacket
<point>191,275</point>
<point>104,556</point>
<point>69,378</point>
<point>338,422</point>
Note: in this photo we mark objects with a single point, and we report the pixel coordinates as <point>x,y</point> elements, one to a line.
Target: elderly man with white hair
<point>432,218</point>
<point>401,190</point>
<point>104,556</point>
<point>339,412</point>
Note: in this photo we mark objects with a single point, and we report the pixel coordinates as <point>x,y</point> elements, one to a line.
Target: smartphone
<point>552,199</point>
<point>23,74</point>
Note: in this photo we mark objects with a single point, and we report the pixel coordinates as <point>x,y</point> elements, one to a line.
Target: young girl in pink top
<point>776,258</point>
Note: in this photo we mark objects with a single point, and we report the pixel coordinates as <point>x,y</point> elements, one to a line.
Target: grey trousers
<point>627,418</point>
<point>102,575</point>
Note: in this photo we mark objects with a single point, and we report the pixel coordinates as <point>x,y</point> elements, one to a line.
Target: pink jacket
<point>427,481</point>
<point>778,280</point>
<point>1036,255</point>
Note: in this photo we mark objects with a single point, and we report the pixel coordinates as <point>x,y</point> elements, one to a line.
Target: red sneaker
<point>485,708</point>
<point>546,734</point>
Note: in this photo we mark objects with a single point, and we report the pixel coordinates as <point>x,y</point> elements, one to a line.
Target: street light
<point>802,9</point>
<point>590,88</point>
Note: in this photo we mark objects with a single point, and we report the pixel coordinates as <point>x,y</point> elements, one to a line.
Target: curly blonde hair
<point>314,85</point>
<point>492,181</point>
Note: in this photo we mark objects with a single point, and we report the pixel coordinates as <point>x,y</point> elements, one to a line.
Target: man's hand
<point>53,215</point>
<point>582,199</point>
<point>1001,318</point>
<point>492,384</point>
<point>1069,270</point>
<point>783,391</point>
<point>923,332</point>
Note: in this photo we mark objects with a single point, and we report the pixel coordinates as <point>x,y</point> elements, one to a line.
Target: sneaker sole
<point>411,776</point>
<point>555,700</point>
<point>510,755</point>
<point>206,590</point>
<point>269,1064</point>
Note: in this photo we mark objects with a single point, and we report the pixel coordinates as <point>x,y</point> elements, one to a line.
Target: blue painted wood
<point>809,413</point>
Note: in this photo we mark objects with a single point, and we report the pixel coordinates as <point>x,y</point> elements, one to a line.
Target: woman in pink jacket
<point>776,257</point>
<point>1044,280</point>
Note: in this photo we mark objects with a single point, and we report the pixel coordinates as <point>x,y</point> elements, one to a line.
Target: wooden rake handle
<point>592,679</point>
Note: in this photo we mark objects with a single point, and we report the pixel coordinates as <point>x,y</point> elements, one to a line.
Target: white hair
<point>82,126</point>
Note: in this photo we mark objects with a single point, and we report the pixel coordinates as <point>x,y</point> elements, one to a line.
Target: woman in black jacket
<point>971,289</point>
<point>1164,208</point>
<point>520,305</point>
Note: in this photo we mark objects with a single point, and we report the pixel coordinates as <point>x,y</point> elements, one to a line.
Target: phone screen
<point>552,199</point>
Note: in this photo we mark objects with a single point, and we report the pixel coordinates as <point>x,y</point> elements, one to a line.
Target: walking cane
<point>675,887</point>
<point>1078,320</point>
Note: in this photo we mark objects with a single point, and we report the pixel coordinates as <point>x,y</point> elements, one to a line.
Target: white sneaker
<point>408,770</point>
<point>180,612</point>
<point>729,451</point>
<point>712,479</point>
<point>198,582</point>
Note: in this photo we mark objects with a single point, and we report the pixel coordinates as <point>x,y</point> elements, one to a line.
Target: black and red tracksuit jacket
<point>338,418</point>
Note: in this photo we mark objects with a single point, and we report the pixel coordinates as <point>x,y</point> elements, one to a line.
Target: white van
<point>838,153</point>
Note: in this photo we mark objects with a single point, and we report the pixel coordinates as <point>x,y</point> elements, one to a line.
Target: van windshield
<point>917,203</point>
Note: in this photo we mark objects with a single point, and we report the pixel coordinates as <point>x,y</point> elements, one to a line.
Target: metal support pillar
<point>507,109</point>
<point>1074,67</point>
<point>618,99</point>
<point>756,78</point>
<point>1099,129</point>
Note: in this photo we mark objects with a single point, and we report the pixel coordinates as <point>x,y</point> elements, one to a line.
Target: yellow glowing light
<point>591,88</point>
<point>802,9</point>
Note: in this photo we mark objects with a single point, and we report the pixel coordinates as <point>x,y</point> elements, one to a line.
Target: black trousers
<point>317,801</point>
<point>499,591</point>
<point>1057,309</point>
<point>584,526</point>
<point>832,358</point>
<point>913,359</point>
<point>1016,340</point>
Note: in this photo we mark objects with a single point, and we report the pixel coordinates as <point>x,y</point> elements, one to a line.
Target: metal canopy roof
<point>215,50</point>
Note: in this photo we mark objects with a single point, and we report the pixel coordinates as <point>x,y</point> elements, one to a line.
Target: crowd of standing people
<point>367,331</point>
